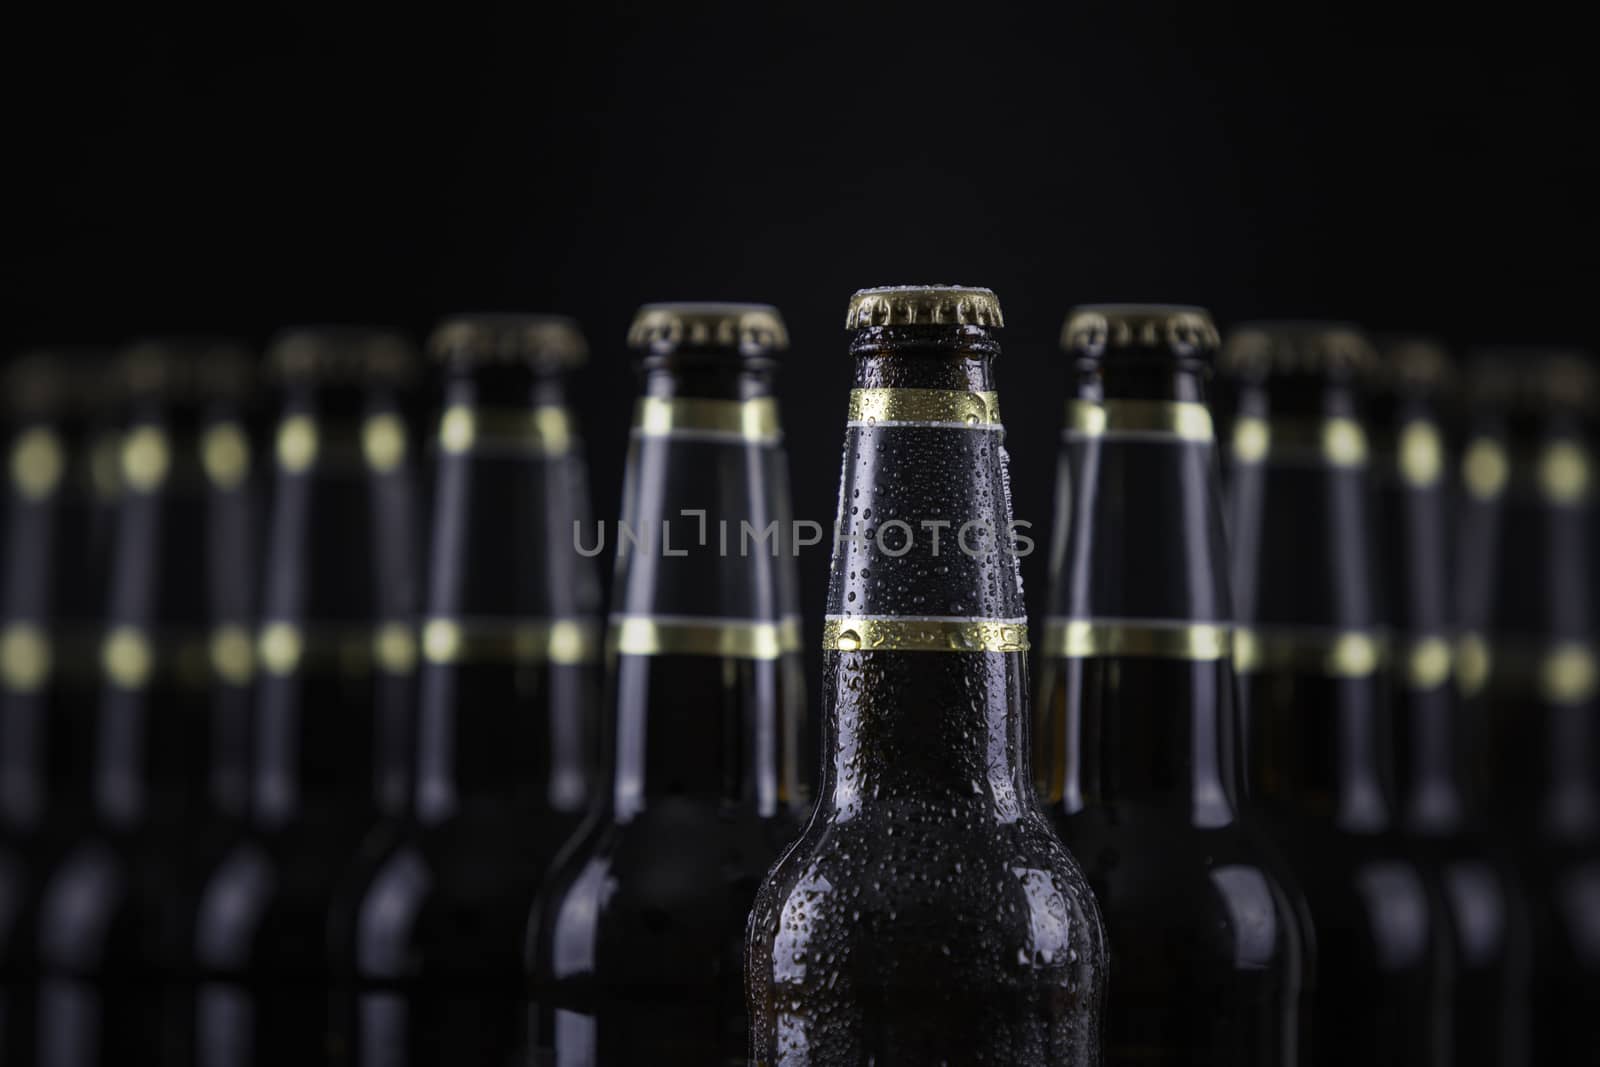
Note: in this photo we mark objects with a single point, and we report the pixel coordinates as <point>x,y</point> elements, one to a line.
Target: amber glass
<point>1138,746</point>
<point>928,913</point>
<point>331,715</point>
<point>1315,700</point>
<point>634,946</point>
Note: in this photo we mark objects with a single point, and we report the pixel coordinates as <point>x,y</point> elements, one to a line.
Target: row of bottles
<point>318,747</point>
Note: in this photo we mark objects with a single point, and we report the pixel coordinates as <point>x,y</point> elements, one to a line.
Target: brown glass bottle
<point>334,657</point>
<point>1138,708</point>
<point>928,913</point>
<point>1529,659</point>
<point>1314,694</point>
<point>430,940</point>
<point>51,593</point>
<point>635,944</point>
<point>1438,793</point>
<point>107,976</point>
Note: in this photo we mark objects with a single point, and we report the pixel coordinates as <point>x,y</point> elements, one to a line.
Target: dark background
<point>1416,170</point>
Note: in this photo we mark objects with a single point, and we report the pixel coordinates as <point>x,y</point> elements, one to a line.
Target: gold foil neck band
<point>754,420</point>
<point>283,648</point>
<point>1337,441</point>
<point>1145,638</point>
<point>1562,673</point>
<point>25,657</point>
<point>856,633</point>
<point>1139,419</point>
<point>1336,654</point>
<point>1429,661</point>
<point>38,460</point>
<point>791,634</point>
<point>677,635</point>
<point>540,431</point>
<point>955,408</point>
<point>559,641</point>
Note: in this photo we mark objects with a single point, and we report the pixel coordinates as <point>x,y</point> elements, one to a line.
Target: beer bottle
<point>106,974</point>
<point>1529,466</point>
<point>634,946</point>
<point>508,679</point>
<point>1313,688</point>
<point>47,601</point>
<point>1137,705</point>
<point>1436,791</point>
<point>928,914</point>
<point>334,655</point>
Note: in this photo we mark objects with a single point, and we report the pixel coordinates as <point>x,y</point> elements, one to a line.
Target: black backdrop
<point>1432,171</point>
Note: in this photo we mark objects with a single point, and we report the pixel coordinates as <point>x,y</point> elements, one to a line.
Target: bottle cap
<point>544,342</point>
<point>923,305</point>
<point>751,328</point>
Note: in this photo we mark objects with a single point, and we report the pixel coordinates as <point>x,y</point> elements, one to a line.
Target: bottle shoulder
<point>670,888</point>
<point>1008,900</point>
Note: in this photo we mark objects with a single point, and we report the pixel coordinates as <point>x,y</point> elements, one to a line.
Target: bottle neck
<point>167,609</point>
<point>510,635</point>
<point>46,644</point>
<point>705,679</point>
<point>1309,648</point>
<point>926,637</point>
<point>1138,692</point>
<point>336,648</point>
<point>1411,467</point>
<point>1539,686</point>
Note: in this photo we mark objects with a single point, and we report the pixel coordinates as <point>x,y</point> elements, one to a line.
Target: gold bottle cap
<point>1094,328</point>
<point>751,328</point>
<point>551,342</point>
<point>185,368</point>
<point>1532,379</point>
<point>1259,350</point>
<point>1413,364</point>
<point>347,355</point>
<point>923,305</point>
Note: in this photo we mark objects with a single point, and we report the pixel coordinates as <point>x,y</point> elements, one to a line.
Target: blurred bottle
<point>928,914</point>
<point>51,593</point>
<point>635,944</point>
<point>1529,663</point>
<point>335,653</point>
<point>430,937</point>
<point>106,975</point>
<point>1437,791</point>
<point>1138,709</point>
<point>1314,692</point>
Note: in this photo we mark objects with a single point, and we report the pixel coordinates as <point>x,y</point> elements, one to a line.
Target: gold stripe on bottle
<point>1339,654</point>
<point>856,633</point>
<point>1485,468</point>
<point>925,407</point>
<point>225,454</point>
<point>676,635</point>
<point>1180,419</point>
<point>754,420</point>
<point>233,658</point>
<point>1152,638</point>
<point>1563,471</point>
<point>1428,662</point>
<point>1337,441</point>
<point>25,657</point>
<point>284,648</point>
<point>131,657</point>
<point>37,462</point>
<point>791,634</point>
<point>1419,453</point>
<point>146,457</point>
<point>1473,662</point>
<point>1567,674</point>
<point>560,641</point>
<point>543,431</point>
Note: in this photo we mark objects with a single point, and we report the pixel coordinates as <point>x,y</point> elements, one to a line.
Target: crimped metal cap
<point>545,342</point>
<point>923,305</point>
<point>1532,379</point>
<point>1260,350</point>
<point>1413,365</point>
<point>54,381</point>
<point>751,328</point>
<point>1184,331</point>
<point>341,355</point>
<point>185,369</point>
